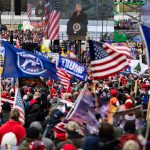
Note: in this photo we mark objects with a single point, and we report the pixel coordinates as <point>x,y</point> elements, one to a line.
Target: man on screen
<point>77,25</point>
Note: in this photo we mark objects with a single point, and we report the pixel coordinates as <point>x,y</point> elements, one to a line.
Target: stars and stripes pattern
<point>11,101</point>
<point>29,10</point>
<point>64,77</point>
<point>18,104</point>
<point>119,49</point>
<point>105,61</point>
<point>52,23</point>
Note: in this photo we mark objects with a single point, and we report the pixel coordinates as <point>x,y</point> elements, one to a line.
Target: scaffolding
<point>129,9</point>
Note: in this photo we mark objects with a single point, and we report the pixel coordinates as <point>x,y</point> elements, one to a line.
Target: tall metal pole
<point>102,27</point>
<point>12,4</point>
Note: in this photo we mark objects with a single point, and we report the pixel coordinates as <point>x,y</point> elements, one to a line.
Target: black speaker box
<point>17,7</point>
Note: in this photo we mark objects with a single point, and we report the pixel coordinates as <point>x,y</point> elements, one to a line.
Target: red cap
<point>69,147</point>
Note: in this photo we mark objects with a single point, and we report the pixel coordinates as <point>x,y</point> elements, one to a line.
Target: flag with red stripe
<point>119,49</point>
<point>29,10</point>
<point>105,60</point>
<point>10,100</point>
<point>18,104</point>
<point>53,17</point>
<point>64,77</point>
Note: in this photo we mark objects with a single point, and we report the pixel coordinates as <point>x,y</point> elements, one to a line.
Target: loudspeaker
<point>29,46</point>
<point>17,7</point>
<point>56,42</point>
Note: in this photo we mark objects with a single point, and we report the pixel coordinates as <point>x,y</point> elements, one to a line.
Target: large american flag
<point>18,104</point>
<point>64,77</point>
<point>52,17</point>
<point>107,60</point>
<point>29,10</point>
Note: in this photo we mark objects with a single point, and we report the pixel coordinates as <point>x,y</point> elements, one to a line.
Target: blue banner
<point>72,67</point>
<point>19,63</point>
<point>145,31</point>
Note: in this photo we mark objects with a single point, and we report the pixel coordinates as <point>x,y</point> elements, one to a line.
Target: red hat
<point>69,147</point>
<point>4,94</point>
<point>113,92</point>
<point>49,83</point>
<point>128,104</point>
<point>36,145</point>
<point>60,132</point>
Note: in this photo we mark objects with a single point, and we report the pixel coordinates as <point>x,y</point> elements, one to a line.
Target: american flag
<point>64,77</point>
<point>29,10</point>
<point>17,43</point>
<point>105,61</point>
<point>11,101</point>
<point>52,17</point>
<point>18,104</point>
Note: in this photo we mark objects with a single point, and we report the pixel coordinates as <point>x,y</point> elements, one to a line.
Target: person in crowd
<point>6,109</point>
<point>77,25</point>
<point>12,132</point>
<point>73,132</point>
<point>32,134</point>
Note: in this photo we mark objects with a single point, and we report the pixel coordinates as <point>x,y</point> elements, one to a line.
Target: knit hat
<point>128,104</point>
<point>60,132</point>
<point>9,138</point>
<point>32,133</point>
<point>37,125</point>
<point>36,145</point>
<point>6,106</point>
<point>69,147</point>
<point>72,126</point>
<point>49,83</point>
<point>113,92</point>
<point>131,144</point>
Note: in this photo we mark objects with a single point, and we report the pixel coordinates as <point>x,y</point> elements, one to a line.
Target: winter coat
<point>14,127</point>
<point>76,138</point>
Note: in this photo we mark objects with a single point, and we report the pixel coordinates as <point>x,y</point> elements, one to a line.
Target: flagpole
<point>148,122</point>
<point>0,80</point>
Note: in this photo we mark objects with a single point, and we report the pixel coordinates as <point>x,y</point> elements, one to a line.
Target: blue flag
<point>145,31</point>
<point>19,63</point>
<point>72,67</point>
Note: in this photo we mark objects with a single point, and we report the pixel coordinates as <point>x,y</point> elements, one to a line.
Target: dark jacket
<point>76,138</point>
<point>4,116</point>
<point>80,19</point>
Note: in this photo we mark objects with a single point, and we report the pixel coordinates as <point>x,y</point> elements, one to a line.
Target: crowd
<point>120,108</point>
<point>46,126</point>
<point>129,1</point>
<point>26,36</point>
<point>124,24</point>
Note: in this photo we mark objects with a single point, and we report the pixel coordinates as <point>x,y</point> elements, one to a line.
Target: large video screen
<point>96,9</point>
